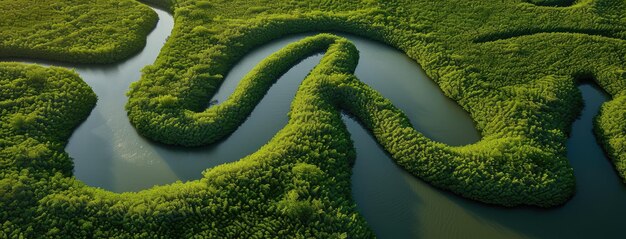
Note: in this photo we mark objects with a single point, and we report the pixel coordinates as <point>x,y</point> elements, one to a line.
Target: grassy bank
<point>512,65</point>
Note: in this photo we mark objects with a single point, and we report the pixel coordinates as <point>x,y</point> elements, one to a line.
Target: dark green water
<point>108,153</point>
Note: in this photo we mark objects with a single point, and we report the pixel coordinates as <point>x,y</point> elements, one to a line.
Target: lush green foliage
<point>297,185</point>
<point>556,3</point>
<point>99,31</point>
<point>39,109</point>
<point>511,64</point>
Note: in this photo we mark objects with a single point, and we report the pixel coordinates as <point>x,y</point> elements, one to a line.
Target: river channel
<point>108,153</point>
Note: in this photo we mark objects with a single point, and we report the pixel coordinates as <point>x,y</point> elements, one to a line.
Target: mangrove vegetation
<point>513,65</point>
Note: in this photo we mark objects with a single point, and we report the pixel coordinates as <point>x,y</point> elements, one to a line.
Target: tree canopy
<point>512,64</point>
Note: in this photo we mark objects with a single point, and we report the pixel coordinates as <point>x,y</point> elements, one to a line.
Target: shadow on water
<point>596,209</point>
<point>100,169</point>
<point>393,201</point>
<point>374,174</point>
<point>386,195</point>
<point>108,153</point>
<point>137,163</point>
<point>267,118</point>
<point>120,147</point>
<point>94,145</point>
<point>594,212</point>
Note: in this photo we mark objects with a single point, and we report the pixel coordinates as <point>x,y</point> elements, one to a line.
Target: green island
<point>513,65</point>
<point>100,31</point>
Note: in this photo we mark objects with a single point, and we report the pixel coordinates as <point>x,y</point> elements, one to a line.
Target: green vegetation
<point>497,60</point>
<point>297,185</point>
<point>511,64</point>
<point>98,31</point>
<point>555,3</point>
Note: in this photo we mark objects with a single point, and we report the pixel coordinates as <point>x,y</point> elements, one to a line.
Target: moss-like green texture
<point>95,31</point>
<point>554,3</point>
<point>513,65</point>
<point>297,185</point>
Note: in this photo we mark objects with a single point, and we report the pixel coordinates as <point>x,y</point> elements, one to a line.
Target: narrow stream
<point>108,153</point>
<point>397,205</point>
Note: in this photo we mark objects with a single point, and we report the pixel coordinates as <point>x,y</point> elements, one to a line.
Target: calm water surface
<point>397,205</point>
<point>108,153</point>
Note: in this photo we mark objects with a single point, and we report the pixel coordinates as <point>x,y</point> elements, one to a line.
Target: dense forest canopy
<point>512,64</point>
<point>97,31</point>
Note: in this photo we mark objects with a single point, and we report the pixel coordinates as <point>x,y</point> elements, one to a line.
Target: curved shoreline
<point>194,184</point>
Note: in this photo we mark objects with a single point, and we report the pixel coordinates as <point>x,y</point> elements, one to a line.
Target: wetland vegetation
<point>513,65</point>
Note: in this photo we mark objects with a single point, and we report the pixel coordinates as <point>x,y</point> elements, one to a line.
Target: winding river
<point>108,153</point>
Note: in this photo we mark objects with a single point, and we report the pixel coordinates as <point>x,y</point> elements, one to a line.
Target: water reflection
<point>397,205</point>
<point>108,153</point>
